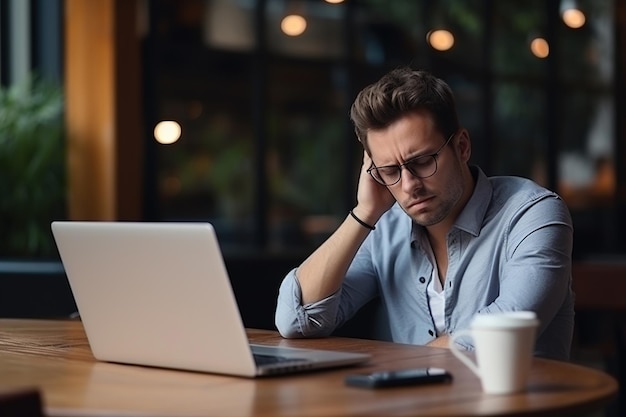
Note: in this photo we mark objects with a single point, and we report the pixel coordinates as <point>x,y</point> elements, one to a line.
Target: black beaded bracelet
<point>361,222</point>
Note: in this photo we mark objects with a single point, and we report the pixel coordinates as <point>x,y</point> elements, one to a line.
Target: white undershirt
<point>437,302</point>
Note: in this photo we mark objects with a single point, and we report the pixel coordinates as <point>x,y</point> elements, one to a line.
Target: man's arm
<point>537,274</point>
<point>309,298</point>
<point>322,273</point>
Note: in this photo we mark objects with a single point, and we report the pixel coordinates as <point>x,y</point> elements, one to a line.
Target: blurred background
<point>236,112</point>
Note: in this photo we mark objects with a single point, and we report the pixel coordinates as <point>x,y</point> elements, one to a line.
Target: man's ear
<point>464,145</point>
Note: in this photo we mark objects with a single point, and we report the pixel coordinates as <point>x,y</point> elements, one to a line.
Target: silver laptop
<point>158,294</point>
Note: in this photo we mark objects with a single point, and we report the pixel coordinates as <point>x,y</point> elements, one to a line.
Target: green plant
<point>32,167</point>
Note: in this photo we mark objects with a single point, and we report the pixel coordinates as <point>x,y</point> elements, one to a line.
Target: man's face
<point>440,197</point>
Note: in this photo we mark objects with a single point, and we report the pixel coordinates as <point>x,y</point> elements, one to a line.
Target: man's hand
<point>373,199</point>
<point>441,341</point>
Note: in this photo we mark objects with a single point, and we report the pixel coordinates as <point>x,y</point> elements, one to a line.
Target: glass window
<point>465,21</point>
<point>586,46</point>
<point>471,102</point>
<point>206,174</point>
<point>307,155</point>
<point>586,164</point>
<point>516,26</point>
<point>520,133</point>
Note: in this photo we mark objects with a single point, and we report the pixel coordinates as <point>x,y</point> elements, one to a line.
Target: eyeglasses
<point>423,166</point>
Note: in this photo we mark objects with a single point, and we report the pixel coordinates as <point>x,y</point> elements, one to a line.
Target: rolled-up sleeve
<point>295,320</point>
<point>323,317</point>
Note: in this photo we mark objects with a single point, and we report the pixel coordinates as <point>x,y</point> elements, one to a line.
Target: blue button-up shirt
<point>510,249</point>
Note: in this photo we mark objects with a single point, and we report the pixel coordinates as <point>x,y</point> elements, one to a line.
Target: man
<point>433,236</point>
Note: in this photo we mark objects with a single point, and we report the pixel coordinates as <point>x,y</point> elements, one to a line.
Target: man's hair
<point>398,93</point>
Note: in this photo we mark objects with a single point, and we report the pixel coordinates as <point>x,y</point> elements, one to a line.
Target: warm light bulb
<point>573,18</point>
<point>334,1</point>
<point>293,25</point>
<point>440,39</point>
<point>167,132</point>
<point>540,48</point>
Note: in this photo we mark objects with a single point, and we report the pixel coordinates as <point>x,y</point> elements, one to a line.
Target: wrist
<point>367,221</point>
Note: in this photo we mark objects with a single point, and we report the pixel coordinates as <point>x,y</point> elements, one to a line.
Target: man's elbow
<point>294,330</point>
<point>287,328</point>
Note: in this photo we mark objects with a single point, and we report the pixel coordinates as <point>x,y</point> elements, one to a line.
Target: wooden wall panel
<point>103,114</point>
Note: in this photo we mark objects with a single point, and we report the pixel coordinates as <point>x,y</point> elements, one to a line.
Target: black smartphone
<point>402,377</point>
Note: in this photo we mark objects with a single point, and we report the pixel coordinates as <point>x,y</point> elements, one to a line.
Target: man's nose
<point>409,181</point>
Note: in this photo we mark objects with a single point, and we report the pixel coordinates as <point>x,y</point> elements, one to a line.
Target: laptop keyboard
<point>261,359</point>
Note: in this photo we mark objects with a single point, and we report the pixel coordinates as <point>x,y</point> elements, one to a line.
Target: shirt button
<point>422,280</point>
<point>430,332</point>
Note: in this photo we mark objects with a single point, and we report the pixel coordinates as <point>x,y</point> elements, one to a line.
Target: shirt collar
<point>473,214</point>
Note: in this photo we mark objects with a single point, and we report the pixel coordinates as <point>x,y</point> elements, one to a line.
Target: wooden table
<point>54,356</point>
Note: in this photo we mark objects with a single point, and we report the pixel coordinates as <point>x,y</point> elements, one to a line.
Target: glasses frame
<point>410,161</point>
